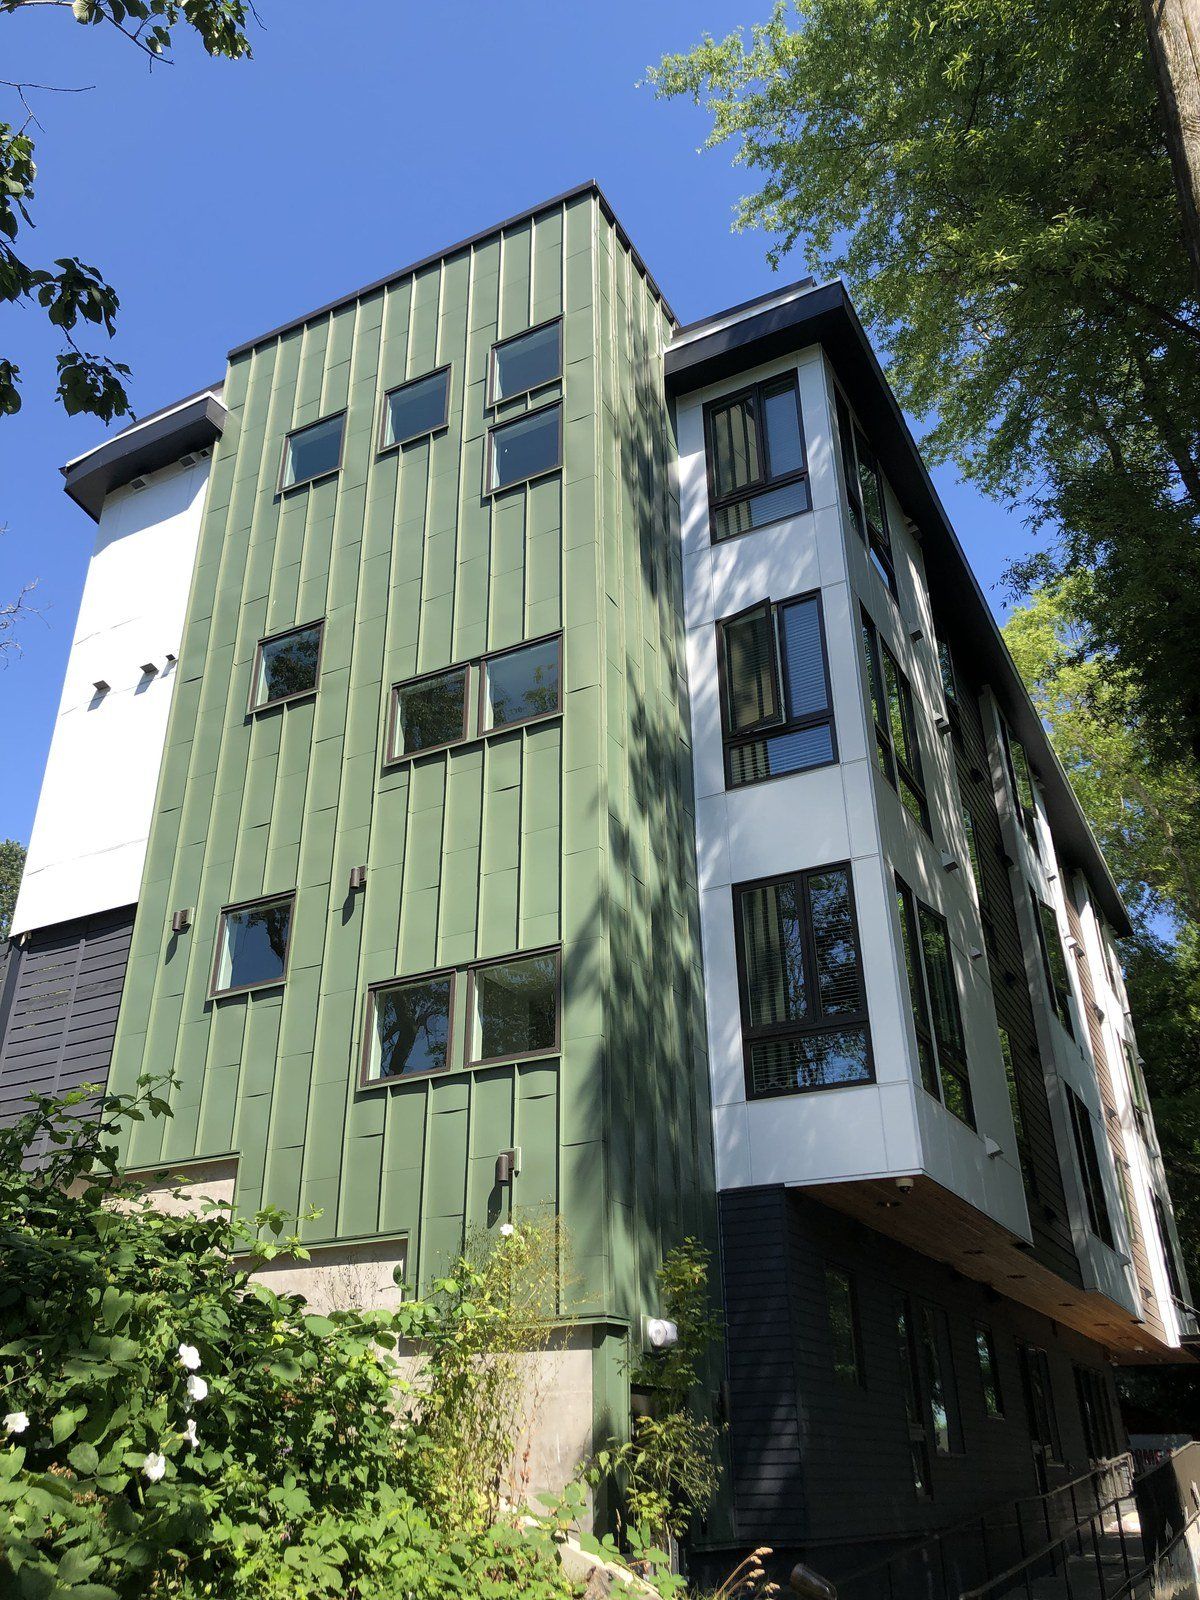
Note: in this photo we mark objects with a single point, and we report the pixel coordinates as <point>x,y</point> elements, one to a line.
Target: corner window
<point>865,495</point>
<point>525,448</point>
<point>286,665</point>
<point>776,715</point>
<point>523,684</point>
<point>989,1373</point>
<point>428,713</point>
<point>416,409</point>
<point>896,749</point>
<point>842,1304</point>
<point>1088,1160</point>
<point>1054,962</point>
<point>804,1008</point>
<point>252,945</point>
<point>312,452</point>
<point>525,362</point>
<point>408,1027</point>
<point>513,1007</point>
<point>928,961</point>
<point>757,471</point>
<point>939,1379</point>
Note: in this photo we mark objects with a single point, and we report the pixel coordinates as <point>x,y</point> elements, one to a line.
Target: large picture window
<point>896,747</point>
<point>804,1008</point>
<point>776,714</point>
<point>865,494</point>
<point>937,1016</point>
<point>757,469</point>
<point>252,945</point>
<point>1088,1160</point>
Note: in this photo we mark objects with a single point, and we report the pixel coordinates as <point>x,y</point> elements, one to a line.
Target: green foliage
<point>992,179</point>
<point>69,292</point>
<point>175,1429</point>
<point>12,865</point>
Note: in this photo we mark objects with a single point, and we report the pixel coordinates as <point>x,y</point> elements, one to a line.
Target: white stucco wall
<point>93,815</point>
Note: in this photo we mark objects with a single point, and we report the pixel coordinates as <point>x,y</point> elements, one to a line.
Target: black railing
<point>1098,1559</point>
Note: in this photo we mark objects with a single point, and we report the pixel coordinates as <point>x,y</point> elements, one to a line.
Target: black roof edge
<point>155,442</point>
<point>590,186</point>
<point>825,315</point>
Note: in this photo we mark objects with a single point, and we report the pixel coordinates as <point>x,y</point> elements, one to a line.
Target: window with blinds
<point>865,496</point>
<point>896,748</point>
<point>804,1008</point>
<point>776,710</point>
<point>757,469</point>
<point>1095,1200</point>
<point>937,1017</point>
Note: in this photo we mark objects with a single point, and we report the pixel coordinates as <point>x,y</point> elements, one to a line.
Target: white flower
<point>190,1433</point>
<point>16,1422</point>
<point>154,1466</point>
<point>189,1357</point>
<point>507,1230</point>
<point>197,1388</point>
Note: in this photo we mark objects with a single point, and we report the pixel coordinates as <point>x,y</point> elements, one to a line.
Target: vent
<point>138,483</point>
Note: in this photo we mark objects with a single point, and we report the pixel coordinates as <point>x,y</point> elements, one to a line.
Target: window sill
<point>400,1079</point>
<point>247,988</point>
<point>283,700</point>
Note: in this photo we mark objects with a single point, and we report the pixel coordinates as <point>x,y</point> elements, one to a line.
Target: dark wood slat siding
<point>63,993</point>
<point>1052,1242</point>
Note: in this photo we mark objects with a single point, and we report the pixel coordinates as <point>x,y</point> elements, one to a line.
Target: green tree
<point>72,294</point>
<point>12,865</point>
<point>992,179</point>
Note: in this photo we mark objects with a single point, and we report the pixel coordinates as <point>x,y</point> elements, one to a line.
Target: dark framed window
<point>896,747</point>
<point>938,1362</point>
<point>946,670</point>
<point>757,468</point>
<point>975,857</point>
<point>1088,1160</point>
<point>776,702</point>
<point>252,945</point>
<point>527,447</point>
<point>1025,1158</point>
<point>428,713</point>
<point>1054,962</point>
<point>1040,1407</point>
<point>286,666</point>
<point>513,1006</point>
<point>1166,1241</point>
<point>312,452</point>
<point>1021,785</point>
<point>408,1027</point>
<point>521,685</point>
<point>914,1401</point>
<point>525,362</point>
<point>1135,1080</point>
<point>937,1016</point>
<point>841,1302</point>
<point>415,409</point>
<point>865,494</point>
<point>804,1006</point>
<point>989,1372</point>
<point>1095,1411</point>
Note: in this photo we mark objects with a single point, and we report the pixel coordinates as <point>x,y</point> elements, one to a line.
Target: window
<point>525,362</point>
<point>776,714</point>
<point>1166,1242</point>
<point>989,1373</point>
<point>513,1007</point>
<point>428,713</point>
<point>416,409</point>
<point>1040,1407</point>
<point>1020,779</point>
<point>1088,1160</point>
<point>865,493</point>
<point>1100,1436</point>
<point>1133,1075</point>
<point>976,860</point>
<point>896,747</point>
<point>408,1027</point>
<point>804,1009</point>
<point>1054,962</point>
<point>939,1380</point>
<point>523,684</point>
<point>1028,1171</point>
<point>946,669</point>
<point>757,472</point>
<point>286,665</point>
<point>918,1433</point>
<point>842,1304</point>
<point>525,448</point>
<point>252,945</point>
<point>312,452</point>
<point>929,963</point>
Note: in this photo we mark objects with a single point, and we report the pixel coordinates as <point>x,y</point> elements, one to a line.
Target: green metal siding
<point>578,830</point>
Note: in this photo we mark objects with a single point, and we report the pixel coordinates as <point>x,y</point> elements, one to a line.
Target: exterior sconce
<point>976,953</point>
<point>508,1164</point>
<point>949,862</point>
<point>916,635</point>
<point>181,921</point>
<point>942,724</point>
<point>659,1333</point>
<point>149,668</point>
<point>358,878</point>
<point>101,685</point>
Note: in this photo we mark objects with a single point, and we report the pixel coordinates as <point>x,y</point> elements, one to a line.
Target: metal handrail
<point>1151,1567</point>
<point>1088,1523</point>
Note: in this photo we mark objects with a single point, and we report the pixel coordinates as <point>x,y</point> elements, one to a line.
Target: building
<point>520,755</point>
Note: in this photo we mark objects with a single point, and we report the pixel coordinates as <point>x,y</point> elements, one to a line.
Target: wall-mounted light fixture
<point>916,635</point>
<point>358,878</point>
<point>101,685</point>
<point>949,862</point>
<point>942,724</point>
<point>149,668</point>
<point>181,921</point>
<point>508,1164</point>
<point>659,1333</point>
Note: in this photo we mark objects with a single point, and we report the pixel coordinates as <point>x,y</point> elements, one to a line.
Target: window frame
<point>782,724</point>
<point>394,757</point>
<point>498,426</point>
<point>482,691</point>
<point>365,1080</point>
<point>859,1380</point>
<point>1098,1213</point>
<point>924,1015</point>
<point>765,481</point>
<point>253,707</point>
<point>788,1030</point>
<point>895,772</point>
<point>386,446</point>
<point>878,541</point>
<point>1046,920</point>
<point>935,1342</point>
<point>493,399</point>
<point>318,477</point>
<point>984,1339</point>
<point>470,1060</point>
<point>287,896</point>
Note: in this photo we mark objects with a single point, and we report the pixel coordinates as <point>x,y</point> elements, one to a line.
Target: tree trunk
<point>1173,27</point>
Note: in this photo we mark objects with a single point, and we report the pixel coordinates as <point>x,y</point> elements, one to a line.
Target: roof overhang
<point>717,348</point>
<point>157,441</point>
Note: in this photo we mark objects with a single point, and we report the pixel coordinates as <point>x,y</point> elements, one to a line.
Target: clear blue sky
<point>222,198</point>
